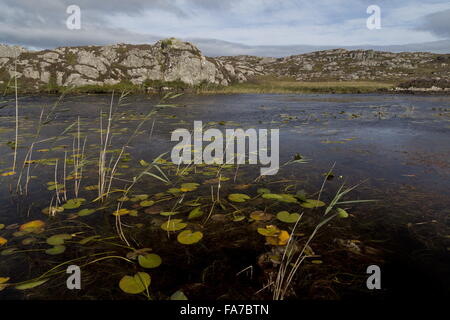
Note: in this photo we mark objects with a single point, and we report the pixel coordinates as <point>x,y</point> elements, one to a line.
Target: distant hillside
<point>172,61</point>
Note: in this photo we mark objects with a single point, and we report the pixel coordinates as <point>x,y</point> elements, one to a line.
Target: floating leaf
<point>86,212</point>
<point>56,250</point>
<point>121,212</point>
<point>195,213</point>
<point>342,213</point>
<point>168,213</point>
<point>272,196</point>
<point>238,218</point>
<point>3,280</point>
<point>3,241</point>
<point>238,197</point>
<point>288,198</point>
<point>316,261</point>
<point>31,284</point>
<point>139,197</point>
<point>73,203</point>
<point>52,210</point>
<point>311,203</point>
<point>269,231</point>
<point>189,237</point>
<point>135,284</point>
<point>178,295</point>
<point>263,190</point>
<point>8,251</point>
<point>280,240</point>
<point>186,187</point>
<point>287,217</point>
<point>173,225</point>
<point>28,241</point>
<point>32,226</point>
<point>150,261</point>
<point>58,239</point>
<point>55,186</point>
<point>260,216</point>
<point>9,173</point>
<point>147,203</point>
<point>91,188</point>
<point>2,226</point>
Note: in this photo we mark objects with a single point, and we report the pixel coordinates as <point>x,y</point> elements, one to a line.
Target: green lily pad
<point>31,284</point>
<point>135,284</point>
<point>288,198</point>
<point>86,212</point>
<point>269,231</point>
<point>173,225</point>
<point>272,196</point>
<point>179,295</point>
<point>185,187</point>
<point>2,226</point>
<point>147,203</point>
<point>150,261</point>
<point>189,237</point>
<point>238,218</point>
<point>238,197</point>
<point>58,239</point>
<point>139,197</point>
<point>195,213</point>
<point>342,213</point>
<point>8,251</point>
<point>311,203</point>
<point>73,203</point>
<point>56,250</point>
<point>54,186</point>
<point>287,217</point>
<point>263,190</point>
<point>168,213</point>
<point>28,241</point>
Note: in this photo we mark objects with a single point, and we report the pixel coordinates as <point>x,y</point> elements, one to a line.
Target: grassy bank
<point>291,86</point>
<point>253,86</point>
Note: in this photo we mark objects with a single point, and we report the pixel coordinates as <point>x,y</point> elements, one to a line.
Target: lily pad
<point>31,284</point>
<point>58,249</point>
<point>272,196</point>
<point>260,216</point>
<point>58,239</point>
<point>168,213</point>
<point>280,240</point>
<point>342,213</point>
<point>32,226</point>
<point>287,217</point>
<point>147,203</point>
<point>135,284</point>
<point>150,261</point>
<point>195,213</point>
<point>73,203</point>
<point>263,190</point>
<point>189,237</point>
<point>173,225</point>
<point>86,212</point>
<point>3,241</point>
<point>186,187</point>
<point>178,295</point>
<point>312,203</point>
<point>238,197</point>
<point>8,251</point>
<point>269,231</point>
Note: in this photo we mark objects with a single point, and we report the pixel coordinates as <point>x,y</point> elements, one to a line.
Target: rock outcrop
<point>167,60</point>
<point>172,60</point>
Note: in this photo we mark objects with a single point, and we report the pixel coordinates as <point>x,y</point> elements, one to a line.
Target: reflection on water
<point>396,147</point>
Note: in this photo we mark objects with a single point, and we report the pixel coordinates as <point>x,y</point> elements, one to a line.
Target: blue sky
<point>41,23</point>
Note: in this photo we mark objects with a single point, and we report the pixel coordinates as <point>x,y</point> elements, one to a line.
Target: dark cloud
<point>438,23</point>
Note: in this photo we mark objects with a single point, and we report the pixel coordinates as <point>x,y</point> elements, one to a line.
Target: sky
<point>225,25</point>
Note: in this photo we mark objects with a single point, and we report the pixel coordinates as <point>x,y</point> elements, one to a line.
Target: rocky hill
<point>172,60</point>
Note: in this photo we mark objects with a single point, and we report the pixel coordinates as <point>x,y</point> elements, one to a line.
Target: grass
<point>291,86</point>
